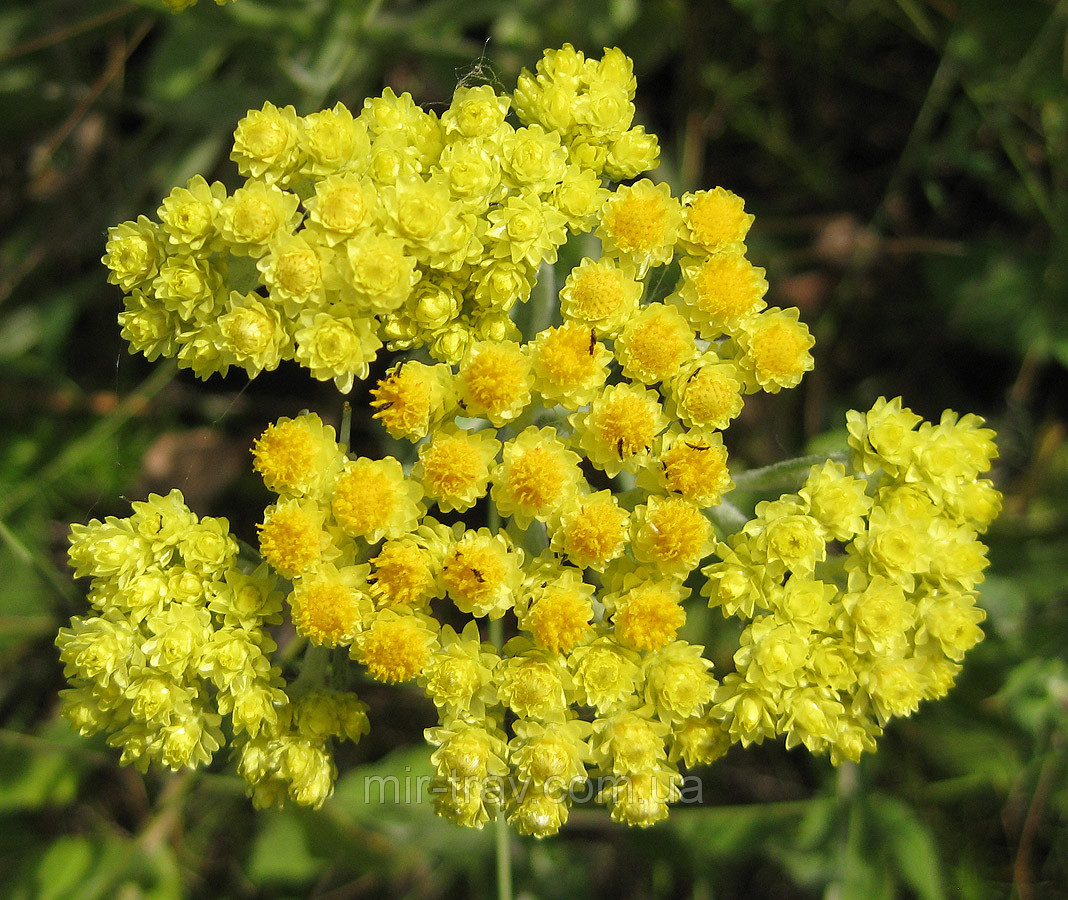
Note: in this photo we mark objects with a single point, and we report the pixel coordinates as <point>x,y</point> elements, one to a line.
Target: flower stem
<point>501,843</point>
<point>504,858</point>
<point>345,434</point>
<point>790,473</point>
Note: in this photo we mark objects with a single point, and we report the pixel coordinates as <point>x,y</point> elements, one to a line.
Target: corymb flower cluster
<point>568,485</point>
<point>393,226</point>
<point>179,642</point>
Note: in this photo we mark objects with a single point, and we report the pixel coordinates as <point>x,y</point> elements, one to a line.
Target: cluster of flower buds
<point>394,226</point>
<point>859,591</point>
<point>179,643</point>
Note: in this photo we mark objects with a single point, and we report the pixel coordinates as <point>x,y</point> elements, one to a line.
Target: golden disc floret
<point>330,605</point>
<point>373,499</point>
<point>297,456</point>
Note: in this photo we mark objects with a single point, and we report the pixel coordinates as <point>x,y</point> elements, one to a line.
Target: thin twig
<point>63,34</point>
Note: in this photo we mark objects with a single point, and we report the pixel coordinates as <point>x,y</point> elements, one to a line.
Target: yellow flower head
<point>297,457</point>
<point>772,653</point>
<point>406,573</point>
<point>786,538</point>
<point>678,681</point>
<point>720,290</point>
<point>459,675</point>
<point>293,538</point>
<point>337,347</point>
<point>570,365</point>
<point>411,398</point>
<point>895,687</point>
<point>620,428</point>
<point>475,112</point>
<point>525,229</point>
<point>640,223</point>
<point>605,674</point>
<point>254,215</point>
<point>805,602</point>
<point>134,253</point>
<point>707,393</point>
<point>536,475</point>
<point>692,464</point>
<point>670,533</point>
<point>293,271</point>
<point>331,141</point>
<point>712,220</point>
<point>378,272</point>
<point>252,335</point>
<point>330,606</point>
<point>591,530</point>
<point>559,613</point>
<point>266,142</point>
<point>600,294</point>
<point>372,499</point>
<point>537,811</point>
<point>550,755</point>
<point>655,343</point>
<point>150,328</point>
<point>420,212</point>
<point>533,681</point>
<point>482,573</point>
<point>775,348</point>
<point>189,286</point>
<point>533,159</point>
<point>629,740</point>
<point>633,152</point>
<point>579,196</point>
<point>952,622</point>
<point>838,501</point>
<point>642,798</point>
<point>188,214</point>
<point>467,750</point>
<point>499,284</point>
<point>397,646</point>
<point>342,206</point>
<point>454,466</point>
<point>495,381</point>
<point>883,437</point>
<point>699,741</point>
<point>648,613</point>
<point>878,615</point>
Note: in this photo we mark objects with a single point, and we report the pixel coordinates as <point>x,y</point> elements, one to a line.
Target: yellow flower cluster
<point>393,226</point>
<point>179,643</point>
<point>366,560</point>
<point>596,444</point>
<point>860,590</point>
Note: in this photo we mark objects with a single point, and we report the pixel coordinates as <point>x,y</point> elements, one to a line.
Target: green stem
<point>504,858</point>
<point>345,434</point>
<point>727,517</point>
<point>501,838</point>
<point>312,672</point>
<point>546,300</point>
<point>790,473</point>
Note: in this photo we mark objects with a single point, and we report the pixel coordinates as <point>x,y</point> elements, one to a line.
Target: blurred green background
<point>907,161</point>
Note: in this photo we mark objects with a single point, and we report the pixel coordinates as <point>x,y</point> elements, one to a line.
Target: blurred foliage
<point>907,161</point>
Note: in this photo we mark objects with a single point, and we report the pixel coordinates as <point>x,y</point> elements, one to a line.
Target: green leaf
<point>280,852</point>
<point>185,59</point>
<point>910,845</point>
<point>64,866</point>
<point>33,776</point>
